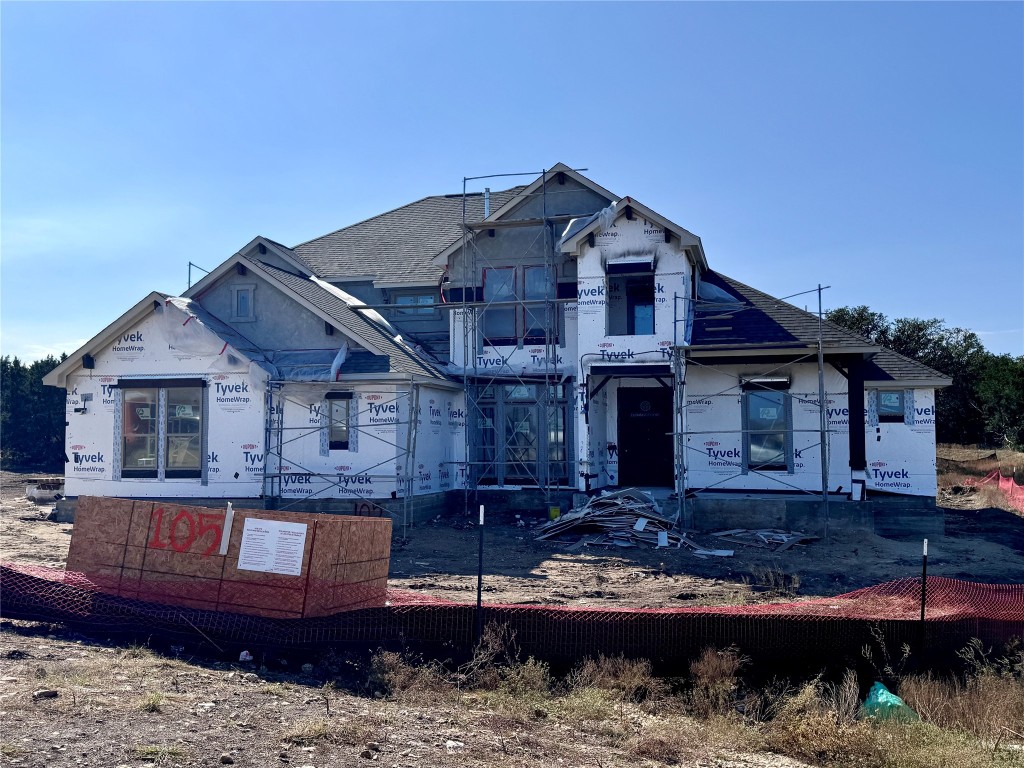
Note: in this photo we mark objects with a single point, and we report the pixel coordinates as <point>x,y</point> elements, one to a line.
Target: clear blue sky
<point>876,148</point>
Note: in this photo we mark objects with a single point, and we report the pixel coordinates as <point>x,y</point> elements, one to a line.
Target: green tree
<point>1001,390</point>
<point>962,410</point>
<point>31,416</point>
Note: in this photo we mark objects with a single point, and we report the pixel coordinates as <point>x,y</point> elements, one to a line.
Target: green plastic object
<point>882,704</point>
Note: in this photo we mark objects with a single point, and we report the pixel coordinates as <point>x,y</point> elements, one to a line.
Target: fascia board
<point>767,349</point>
<point>523,196</point>
<point>419,283</point>
<point>442,258</point>
<point>883,383</point>
<point>58,377</point>
<point>686,237</point>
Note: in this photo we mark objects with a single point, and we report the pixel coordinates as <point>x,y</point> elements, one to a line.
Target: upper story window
<point>630,297</point>
<point>242,303</point>
<point>417,305</point>
<point>507,324</point>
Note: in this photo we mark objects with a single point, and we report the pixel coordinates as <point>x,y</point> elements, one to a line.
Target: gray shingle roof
<point>757,319</point>
<point>397,245</point>
<point>397,358</point>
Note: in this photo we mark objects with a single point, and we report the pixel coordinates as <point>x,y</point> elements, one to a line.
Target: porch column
<point>855,404</point>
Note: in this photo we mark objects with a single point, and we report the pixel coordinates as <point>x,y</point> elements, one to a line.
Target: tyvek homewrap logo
<point>456,416</point>
<point>892,479</point>
<point>108,385</point>
<point>252,459</point>
<point>231,395</point>
<point>383,413</point>
<point>360,484</point>
<point>87,461</point>
<point>297,484</point>
<point>721,457</point>
<point>130,344</point>
<point>213,463</point>
<point>435,413</point>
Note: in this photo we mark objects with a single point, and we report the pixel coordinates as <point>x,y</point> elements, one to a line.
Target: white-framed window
<point>891,406</point>
<point>416,305</point>
<point>339,415</point>
<point>243,308</point>
<point>162,428</point>
<point>767,427</point>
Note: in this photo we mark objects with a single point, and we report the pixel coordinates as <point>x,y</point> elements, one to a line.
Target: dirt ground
<point>439,558</point>
<point>117,707</point>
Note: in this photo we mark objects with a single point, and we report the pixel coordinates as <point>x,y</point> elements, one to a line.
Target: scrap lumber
<point>765,538</point>
<point>623,518</point>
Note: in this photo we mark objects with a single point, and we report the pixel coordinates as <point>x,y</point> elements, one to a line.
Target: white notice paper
<point>272,546</point>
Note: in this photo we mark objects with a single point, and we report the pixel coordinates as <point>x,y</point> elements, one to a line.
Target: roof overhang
<point>923,383</point>
<point>769,350</point>
<point>380,378</point>
<point>687,240</point>
<point>58,377</point>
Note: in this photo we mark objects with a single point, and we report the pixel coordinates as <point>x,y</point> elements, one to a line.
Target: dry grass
<point>775,581</point>
<point>716,682</point>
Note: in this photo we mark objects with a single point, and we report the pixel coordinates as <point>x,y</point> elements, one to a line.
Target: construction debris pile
<point>765,538</point>
<point>624,518</point>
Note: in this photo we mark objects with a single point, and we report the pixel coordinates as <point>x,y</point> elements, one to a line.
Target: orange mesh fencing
<point>812,632</point>
<point>1008,486</point>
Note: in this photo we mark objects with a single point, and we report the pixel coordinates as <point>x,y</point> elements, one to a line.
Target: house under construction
<point>547,339</point>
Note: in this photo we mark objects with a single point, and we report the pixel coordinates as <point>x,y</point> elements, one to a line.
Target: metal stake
<point>480,582</point>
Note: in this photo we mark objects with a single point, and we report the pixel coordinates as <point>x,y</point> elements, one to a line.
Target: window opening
<point>630,305</point>
<point>177,427</point>
<point>891,406</point>
<point>339,409</point>
<point>416,304</point>
<point>767,430</point>
<point>242,307</point>
<point>512,325</point>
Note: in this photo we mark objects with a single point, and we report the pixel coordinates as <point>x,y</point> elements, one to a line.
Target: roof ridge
<point>389,212</point>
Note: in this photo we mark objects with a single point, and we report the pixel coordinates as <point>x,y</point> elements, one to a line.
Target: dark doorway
<point>645,437</point>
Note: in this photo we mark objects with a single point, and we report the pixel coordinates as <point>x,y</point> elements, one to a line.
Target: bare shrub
<point>395,675</point>
<point>309,732</point>
<point>715,681</point>
<point>632,679</point>
<point>805,727</point>
<point>986,703</point>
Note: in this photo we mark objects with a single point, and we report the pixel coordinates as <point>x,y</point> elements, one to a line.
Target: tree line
<point>984,404</point>
<point>31,416</point>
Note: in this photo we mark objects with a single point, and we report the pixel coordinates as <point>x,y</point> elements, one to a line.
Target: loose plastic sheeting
<point>882,704</point>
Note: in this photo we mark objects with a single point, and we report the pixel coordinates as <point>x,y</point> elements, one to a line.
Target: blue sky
<point>876,148</point>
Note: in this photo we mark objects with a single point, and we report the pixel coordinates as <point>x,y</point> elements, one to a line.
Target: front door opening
<point>645,437</point>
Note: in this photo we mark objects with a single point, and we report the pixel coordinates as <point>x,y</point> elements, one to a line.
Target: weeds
<point>308,732</point>
<point>715,679</point>
<point>775,581</point>
<point>157,753</point>
<point>152,702</point>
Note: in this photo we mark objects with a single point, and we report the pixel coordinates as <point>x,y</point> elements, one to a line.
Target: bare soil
<point>116,707</point>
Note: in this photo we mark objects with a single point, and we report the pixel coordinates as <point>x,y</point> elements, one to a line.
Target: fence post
<point>480,581</point>
<point>924,590</point>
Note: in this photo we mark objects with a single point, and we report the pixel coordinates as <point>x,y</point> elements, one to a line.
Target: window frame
<point>629,282</point>
<point>333,400</point>
<point>753,388</point>
<point>523,317</point>
<point>891,417</point>
<point>243,289</point>
<point>415,309</point>
<point>163,434</point>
